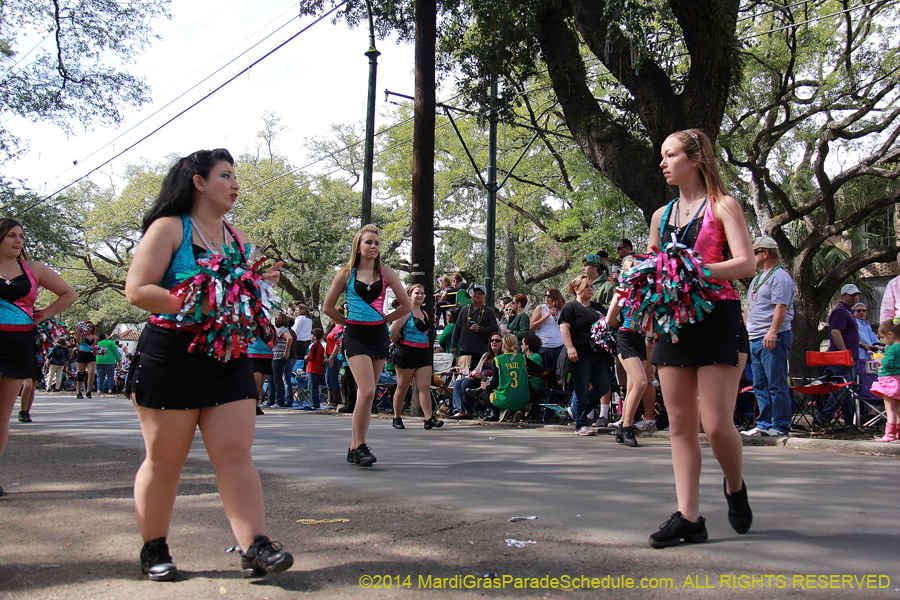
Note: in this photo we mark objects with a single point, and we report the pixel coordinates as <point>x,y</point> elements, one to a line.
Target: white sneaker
<point>569,410</point>
<point>775,433</point>
<point>755,432</point>
<point>646,425</point>
<point>616,424</point>
<point>590,416</point>
<point>585,431</point>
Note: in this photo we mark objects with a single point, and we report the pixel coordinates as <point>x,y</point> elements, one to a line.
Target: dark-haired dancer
<point>20,280</point>
<point>86,360</point>
<point>175,391</point>
<point>366,342</point>
<point>708,359</point>
<point>413,339</point>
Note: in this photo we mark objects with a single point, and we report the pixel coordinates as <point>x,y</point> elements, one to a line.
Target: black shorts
<point>85,357</point>
<point>367,340</point>
<point>164,375</point>
<point>716,340</point>
<point>17,354</point>
<point>631,344</point>
<point>407,357</point>
<point>262,365</point>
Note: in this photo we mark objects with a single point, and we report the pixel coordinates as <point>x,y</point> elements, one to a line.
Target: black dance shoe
<point>363,456</point>
<point>398,423</point>
<point>433,422</point>
<point>156,563</point>
<point>739,514</point>
<point>678,528</point>
<point>264,557</point>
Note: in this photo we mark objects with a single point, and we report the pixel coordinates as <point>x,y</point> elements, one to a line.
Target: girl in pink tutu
<point>888,384</point>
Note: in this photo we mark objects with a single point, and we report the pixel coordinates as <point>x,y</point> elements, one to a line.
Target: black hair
<point>533,342</point>
<point>177,194</point>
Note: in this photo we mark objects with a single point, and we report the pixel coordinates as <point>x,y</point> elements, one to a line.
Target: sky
<point>319,78</point>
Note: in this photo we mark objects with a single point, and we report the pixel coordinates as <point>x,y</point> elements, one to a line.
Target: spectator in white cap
<point>844,336</point>
<point>890,302</point>
<point>770,310</point>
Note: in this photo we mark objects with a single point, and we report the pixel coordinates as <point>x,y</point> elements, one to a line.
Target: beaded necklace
<point>755,285</point>
<point>480,316</point>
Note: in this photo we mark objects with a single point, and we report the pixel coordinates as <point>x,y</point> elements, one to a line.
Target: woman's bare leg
<point>423,382</point>
<point>404,377</point>
<point>366,373</point>
<point>28,387</point>
<point>167,438</point>
<point>637,383</point>
<point>260,380</point>
<point>228,436</point>
<point>679,386</point>
<point>91,373</point>
<point>79,385</point>
<point>718,386</point>
<point>9,389</point>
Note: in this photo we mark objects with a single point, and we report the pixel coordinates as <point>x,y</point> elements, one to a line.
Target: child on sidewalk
<point>315,366</point>
<point>888,384</point>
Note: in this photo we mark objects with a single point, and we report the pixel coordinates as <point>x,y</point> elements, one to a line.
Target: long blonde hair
<point>510,344</point>
<point>699,149</point>
<point>354,250</point>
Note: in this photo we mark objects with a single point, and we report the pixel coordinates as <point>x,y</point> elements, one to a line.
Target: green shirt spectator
<point>112,355</point>
<point>446,338</point>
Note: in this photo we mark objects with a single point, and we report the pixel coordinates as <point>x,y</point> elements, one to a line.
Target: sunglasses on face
<point>495,341</point>
<point>758,251</point>
<point>860,310</point>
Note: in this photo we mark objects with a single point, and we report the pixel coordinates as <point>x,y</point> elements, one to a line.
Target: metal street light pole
<point>372,53</point>
<point>491,186</point>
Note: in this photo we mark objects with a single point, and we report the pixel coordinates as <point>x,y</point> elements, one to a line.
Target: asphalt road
<point>814,512</point>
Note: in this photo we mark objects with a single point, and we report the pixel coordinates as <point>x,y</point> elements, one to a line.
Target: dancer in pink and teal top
<point>366,345</point>
<point>700,372</point>
<point>20,280</point>
<point>413,355</point>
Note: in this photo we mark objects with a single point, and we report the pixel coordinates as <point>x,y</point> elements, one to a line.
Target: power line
<point>766,12</point>
<point>250,66</point>
<point>326,157</point>
<point>9,70</point>
<point>813,20</point>
<point>177,98</point>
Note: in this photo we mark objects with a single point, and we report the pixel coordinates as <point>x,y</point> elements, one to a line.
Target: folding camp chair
<point>556,402</point>
<point>816,392</point>
<point>443,372</point>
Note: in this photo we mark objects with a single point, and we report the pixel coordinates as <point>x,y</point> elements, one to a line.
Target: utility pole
<point>491,186</point>
<point>372,53</point>
<point>422,255</point>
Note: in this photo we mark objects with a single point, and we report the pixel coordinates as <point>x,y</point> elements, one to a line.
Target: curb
<point>872,448</point>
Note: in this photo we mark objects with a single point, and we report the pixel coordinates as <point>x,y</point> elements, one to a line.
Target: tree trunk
<point>625,158</point>
<point>509,273</point>
<point>422,254</point>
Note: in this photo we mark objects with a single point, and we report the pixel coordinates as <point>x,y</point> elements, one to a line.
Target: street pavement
<point>815,512</point>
